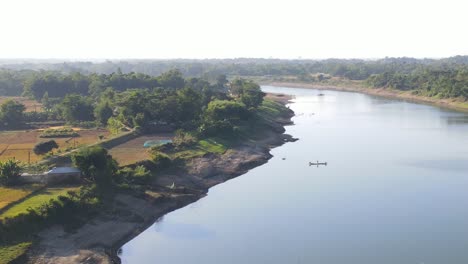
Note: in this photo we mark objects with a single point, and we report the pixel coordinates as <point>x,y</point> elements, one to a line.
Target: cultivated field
<point>19,144</point>
<point>31,105</point>
<point>133,151</point>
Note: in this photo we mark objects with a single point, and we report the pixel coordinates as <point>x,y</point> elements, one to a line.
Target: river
<point>394,191</point>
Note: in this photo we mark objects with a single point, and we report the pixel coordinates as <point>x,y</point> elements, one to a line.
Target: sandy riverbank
<point>99,240</point>
<point>452,104</point>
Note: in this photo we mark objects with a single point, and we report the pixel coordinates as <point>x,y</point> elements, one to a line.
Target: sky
<point>145,29</point>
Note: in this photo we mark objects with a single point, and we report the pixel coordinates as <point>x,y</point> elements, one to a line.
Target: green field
<point>36,201</point>
<point>9,253</point>
<point>9,195</point>
<point>210,145</point>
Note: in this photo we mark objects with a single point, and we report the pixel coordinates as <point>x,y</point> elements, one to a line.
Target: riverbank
<point>452,104</point>
<point>99,240</point>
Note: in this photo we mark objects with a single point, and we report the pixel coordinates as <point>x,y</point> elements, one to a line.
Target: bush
<point>138,175</point>
<point>183,139</point>
<point>59,132</point>
<point>84,124</point>
<point>161,160</point>
<point>9,172</point>
<point>44,147</point>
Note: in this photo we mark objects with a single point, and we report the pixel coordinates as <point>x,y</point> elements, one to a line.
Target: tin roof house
<point>54,176</point>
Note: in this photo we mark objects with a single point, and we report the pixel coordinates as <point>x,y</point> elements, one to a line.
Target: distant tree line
<point>88,78</point>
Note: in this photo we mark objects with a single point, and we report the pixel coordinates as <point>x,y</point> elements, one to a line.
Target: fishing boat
<point>317,163</point>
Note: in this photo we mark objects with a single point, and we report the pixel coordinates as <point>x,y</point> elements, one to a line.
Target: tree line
<point>88,78</point>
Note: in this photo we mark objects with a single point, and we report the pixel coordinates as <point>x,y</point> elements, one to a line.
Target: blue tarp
<point>159,142</point>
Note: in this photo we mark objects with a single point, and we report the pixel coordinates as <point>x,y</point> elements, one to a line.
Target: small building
<point>54,176</point>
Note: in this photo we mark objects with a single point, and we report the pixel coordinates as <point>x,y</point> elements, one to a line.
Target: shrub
<point>160,159</point>
<point>138,175</point>
<point>183,139</point>
<point>44,147</point>
<point>59,132</point>
<point>9,172</point>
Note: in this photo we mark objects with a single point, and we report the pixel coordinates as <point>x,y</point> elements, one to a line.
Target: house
<point>54,176</point>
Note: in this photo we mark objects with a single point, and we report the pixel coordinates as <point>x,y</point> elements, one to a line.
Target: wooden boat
<point>317,163</point>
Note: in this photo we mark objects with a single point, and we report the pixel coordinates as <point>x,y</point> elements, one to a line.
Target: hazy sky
<point>225,29</point>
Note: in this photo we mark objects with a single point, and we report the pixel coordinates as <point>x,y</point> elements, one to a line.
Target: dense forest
<point>431,77</point>
<point>122,101</point>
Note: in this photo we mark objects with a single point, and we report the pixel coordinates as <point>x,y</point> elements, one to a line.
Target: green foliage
<point>248,92</point>
<point>59,132</point>
<point>428,81</point>
<point>103,112</point>
<point>183,139</point>
<point>12,251</point>
<point>138,175</point>
<point>213,145</point>
<point>44,147</point>
<point>221,116</point>
<point>65,208</point>
<point>12,114</point>
<point>35,202</point>
<point>75,107</point>
<point>160,159</point>
<point>9,172</point>
<point>114,125</point>
<point>97,165</point>
<point>46,103</point>
<point>172,79</point>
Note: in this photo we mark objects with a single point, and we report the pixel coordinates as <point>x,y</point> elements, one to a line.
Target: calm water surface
<point>395,191</point>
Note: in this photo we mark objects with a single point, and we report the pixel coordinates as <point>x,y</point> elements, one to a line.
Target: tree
<point>12,114</point>
<point>9,172</point>
<point>172,79</point>
<point>44,147</point>
<point>248,92</point>
<point>252,95</point>
<point>75,107</point>
<point>220,117</point>
<point>97,165</point>
<point>103,112</point>
<point>46,102</point>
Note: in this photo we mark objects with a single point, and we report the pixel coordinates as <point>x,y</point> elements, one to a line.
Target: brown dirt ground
<point>133,151</point>
<point>17,144</point>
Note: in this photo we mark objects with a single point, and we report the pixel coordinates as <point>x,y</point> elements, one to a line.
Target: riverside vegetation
<point>213,115</point>
<point>211,118</point>
<point>439,78</point>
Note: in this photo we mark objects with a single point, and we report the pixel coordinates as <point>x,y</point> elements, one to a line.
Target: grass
<point>10,195</point>
<point>36,201</point>
<point>204,146</point>
<point>9,253</point>
<point>213,145</point>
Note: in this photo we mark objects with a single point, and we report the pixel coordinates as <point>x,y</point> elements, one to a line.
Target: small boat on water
<point>317,163</point>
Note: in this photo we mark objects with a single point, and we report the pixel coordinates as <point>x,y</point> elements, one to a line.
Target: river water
<point>395,191</point>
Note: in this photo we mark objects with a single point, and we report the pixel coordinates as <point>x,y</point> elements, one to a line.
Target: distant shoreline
<point>449,103</point>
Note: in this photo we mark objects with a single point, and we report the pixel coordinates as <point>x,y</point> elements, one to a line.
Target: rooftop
<point>58,170</point>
